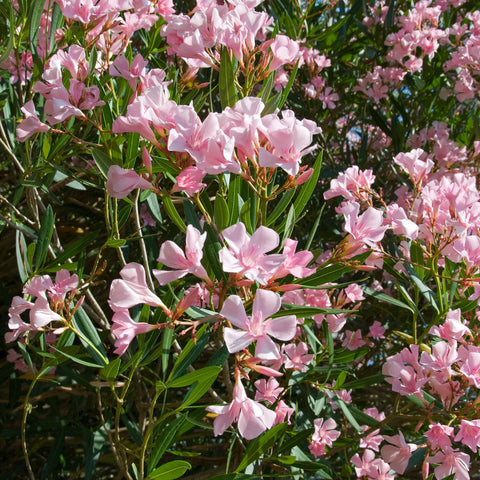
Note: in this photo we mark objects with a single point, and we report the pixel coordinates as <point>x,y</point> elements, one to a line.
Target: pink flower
<point>267,391</point>
<point>31,124</point>
<point>64,283</point>
<point>398,454</point>
<point>253,418</point>
<point>324,436</point>
<point>283,411</point>
<point>189,262</point>
<point>132,289</point>
<point>451,462</point>
<point>439,435</point>
<point>288,138</point>
<point>367,228</point>
<point>469,434</point>
<point>121,182</point>
<point>126,329</point>
<point>284,50</point>
<point>296,358</point>
<point>246,254</point>
<point>295,262</point>
<point>189,181</point>
<point>257,328</point>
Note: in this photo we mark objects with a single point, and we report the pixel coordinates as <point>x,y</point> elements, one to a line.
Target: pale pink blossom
<point>289,140</point>
<point>253,418</point>
<point>439,435</point>
<point>282,412</point>
<point>120,182</point>
<point>367,228</point>
<point>125,329</point>
<point>189,181</point>
<point>172,256</point>
<point>31,124</point>
<point>469,434</point>
<point>398,453</point>
<point>132,289</point>
<point>258,327</point>
<point>296,357</point>
<point>267,391</point>
<point>247,255</point>
<point>451,462</point>
<point>324,436</point>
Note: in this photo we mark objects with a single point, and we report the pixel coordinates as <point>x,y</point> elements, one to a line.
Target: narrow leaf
<point>170,470</point>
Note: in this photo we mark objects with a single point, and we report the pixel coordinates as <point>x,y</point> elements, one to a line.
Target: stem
<point>26,408</point>
<point>142,242</point>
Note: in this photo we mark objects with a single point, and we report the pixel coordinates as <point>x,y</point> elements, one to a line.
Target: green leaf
<point>75,353</point>
<point>73,249</point>
<point>259,446</point>
<point>221,213</point>
<point>132,149</point>
<point>89,336</point>
<point>110,371</point>
<point>280,207</point>
<point>172,211</point>
<point>192,377</point>
<point>237,476</point>
<point>170,470</point>
<point>427,292</point>
<point>154,207</point>
<point>416,255</point>
<point>35,15</point>
<point>226,80</point>
<point>11,33</point>
<point>102,160</point>
<point>165,438</point>
<point>44,237</point>
<point>115,242</point>
<point>289,224</point>
<point>190,353</point>
<point>295,440</point>
<point>365,382</point>
<point>386,298</point>
<point>349,416</point>
<point>200,388</point>
<point>24,268</point>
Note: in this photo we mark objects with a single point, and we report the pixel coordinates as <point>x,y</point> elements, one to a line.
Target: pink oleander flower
<point>253,418</point>
<point>282,411</point>
<point>367,228</point>
<point>412,164</point>
<point>398,454</point>
<point>353,340</point>
<point>132,289</point>
<point>288,138</point>
<point>126,329</point>
<point>295,263</point>
<point>296,358</point>
<point>354,184</point>
<point>469,434</point>
<point>364,465</point>
<point>64,283</point>
<point>172,256</point>
<point>324,436</point>
<point>257,327</point>
<point>189,181</point>
<point>120,182</point>
<point>284,50</point>
<point>404,372</point>
<point>439,435</point>
<point>31,124</point>
<point>247,255</point>
<point>267,391</point>
<point>451,462</point>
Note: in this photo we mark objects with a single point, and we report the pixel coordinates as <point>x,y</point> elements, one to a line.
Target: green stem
<point>26,411</point>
